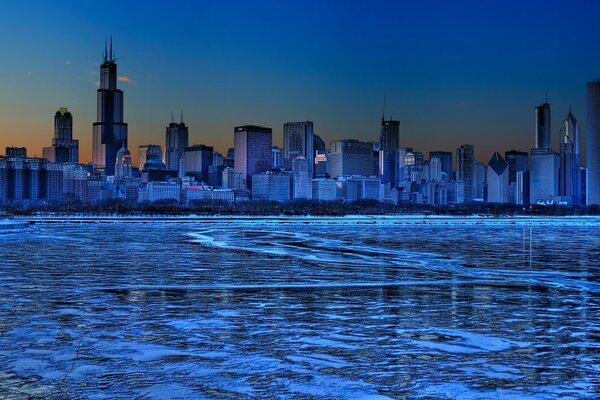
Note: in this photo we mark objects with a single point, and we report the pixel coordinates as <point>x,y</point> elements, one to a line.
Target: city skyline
<point>343,103</point>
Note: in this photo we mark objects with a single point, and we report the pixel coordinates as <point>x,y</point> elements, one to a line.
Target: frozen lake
<point>305,308</point>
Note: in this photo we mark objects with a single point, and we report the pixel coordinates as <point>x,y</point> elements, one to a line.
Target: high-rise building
<point>479,180</point>
<point>272,186</point>
<point>593,142</point>
<point>318,144</point>
<point>176,143</point>
<point>351,157</point>
<point>445,158</point>
<point>110,132</point>
<point>148,152</point>
<point>123,167</point>
<point>465,156</point>
<point>522,188</point>
<point>543,175</point>
<point>298,140</point>
<point>569,180</point>
<point>64,149</point>
<point>277,161</point>
<point>302,181</point>
<point>197,160</point>
<point>435,169</point>
<point>497,180</point>
<point>389,144</point>
<point>517,161</point>
<point>253,149</point>
<point>543,136</point>
<point>232,180</point>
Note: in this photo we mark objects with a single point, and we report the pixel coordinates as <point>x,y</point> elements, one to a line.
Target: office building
<point>64,149</point>
<point>148,152</point>
<point>465,155</point>
<point>569,179</point>
<point>109,132</point>
<point>253,151</point>
<point>176,143</point>
<point>435,169</point>
<point>123,167</point>
<point>517,161</point>
<point>543,136</point>
<point>324,189</point>
<point>389,143</point>
<point>593,142</point>
<point>272,186</point>
<point>479,180</point>
<point>302,180</point>
<point>197,159</point>
<point>445,158</point>
<point>543,176</point>
<point>298,140</point>
<point>351,157</point>
<point>497,180</point>
<point>231,179</point>
<point>522,188</point>
<point>276,158</point>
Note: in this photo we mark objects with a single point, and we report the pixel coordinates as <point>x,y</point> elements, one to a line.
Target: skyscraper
<point>569,180</point>
<point>593,142</point>
<point>298,140</point>
<point>465,156</point>
<point>64,149</point>
<point>517,161</point>
<point>351,157</point>
<point>543,176</point>
<point>302,181</point>
<point>197,160</point>
<point>176,143</point>
<point>543,137</point>
<point>253,151</point>
<point>497,179</point>
<point>123,167</point>
<point>148,152</point>
<point>389,143</point>
<point>445,158</point>
<point>110,132</point>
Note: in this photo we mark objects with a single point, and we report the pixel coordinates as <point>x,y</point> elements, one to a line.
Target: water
<point>468,309</point>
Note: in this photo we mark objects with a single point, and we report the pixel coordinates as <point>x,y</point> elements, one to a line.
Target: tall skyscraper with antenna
<point>109,132</point>
<point>389,145</point>
<point>176,143</point>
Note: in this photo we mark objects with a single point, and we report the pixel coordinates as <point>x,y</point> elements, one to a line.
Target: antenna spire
<point>172,118</point>
<point>111,50</point>
<point>546,96</point>
<point>383,113</point>
<point>181,117</point>
<point>105,50</point>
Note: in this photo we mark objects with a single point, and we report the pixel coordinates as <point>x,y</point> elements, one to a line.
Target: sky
<point>452,72</point>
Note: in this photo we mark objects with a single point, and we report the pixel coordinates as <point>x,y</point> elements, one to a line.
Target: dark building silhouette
<point>176,142</point>
<point>64,149</point>
<point>110,132</point>
<point>465,155</point>
<point>543,136</point>
<point>389,144</point>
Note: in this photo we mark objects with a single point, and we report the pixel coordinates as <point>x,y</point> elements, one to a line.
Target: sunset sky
<point>453,72</point>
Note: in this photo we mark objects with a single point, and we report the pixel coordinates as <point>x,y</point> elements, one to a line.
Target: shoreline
<point>398,219</point>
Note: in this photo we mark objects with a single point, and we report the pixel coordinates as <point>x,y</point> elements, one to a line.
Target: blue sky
<point>453,72</point>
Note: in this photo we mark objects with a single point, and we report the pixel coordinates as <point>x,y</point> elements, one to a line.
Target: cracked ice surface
<point>302,309</point>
